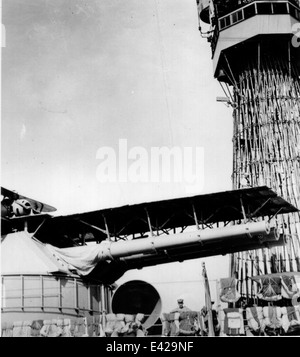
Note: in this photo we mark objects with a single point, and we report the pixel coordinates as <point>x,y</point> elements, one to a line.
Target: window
<point>280,8</point>
<point>227,21</point>
<point>222,23</point>
<point>249,11</point>
<point>237,16</point>
<point>264,8</point>
<point>293,10</point>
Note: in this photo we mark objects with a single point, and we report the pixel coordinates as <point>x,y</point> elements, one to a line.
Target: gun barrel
<point>154,244</point>
<point>85,258</point>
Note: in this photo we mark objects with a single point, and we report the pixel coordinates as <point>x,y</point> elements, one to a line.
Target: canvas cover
<point>22,254</point>
<point>81,259</point>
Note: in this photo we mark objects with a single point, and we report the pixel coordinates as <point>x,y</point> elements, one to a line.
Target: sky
<point>82,75</point>
<point>78,76</point>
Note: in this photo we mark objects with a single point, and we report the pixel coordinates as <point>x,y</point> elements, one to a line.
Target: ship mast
<point>256,58</point>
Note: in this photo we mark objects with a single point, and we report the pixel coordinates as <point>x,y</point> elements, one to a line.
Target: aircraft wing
<point>8,193</point>
<point>163,217</point>
<point>37,206</point>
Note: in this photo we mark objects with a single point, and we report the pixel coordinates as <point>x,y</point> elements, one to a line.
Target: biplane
<point>151,233</point>
<point>17,208</point>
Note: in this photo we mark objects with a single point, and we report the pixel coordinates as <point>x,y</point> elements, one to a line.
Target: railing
<point>224,7</point>
<point>259,8</point>
<point>55,293</point>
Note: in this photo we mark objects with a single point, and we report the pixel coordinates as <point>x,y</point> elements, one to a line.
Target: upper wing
<point>8,193</point>
<point>17,209</point>
<point>37,206</point>
<point>161,217</point>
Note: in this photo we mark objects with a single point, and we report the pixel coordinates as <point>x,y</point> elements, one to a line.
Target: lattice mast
<point>256,59</point>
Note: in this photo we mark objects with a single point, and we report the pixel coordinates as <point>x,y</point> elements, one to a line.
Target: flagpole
<point>211,331</point>
<point>218,303</point>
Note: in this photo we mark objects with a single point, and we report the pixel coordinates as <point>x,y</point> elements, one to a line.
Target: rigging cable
<point>163,66</point>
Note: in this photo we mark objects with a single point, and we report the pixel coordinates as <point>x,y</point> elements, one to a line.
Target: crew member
<point>181,307</point>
